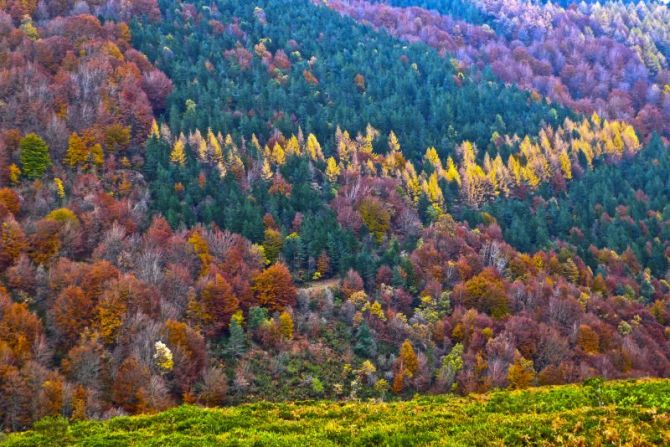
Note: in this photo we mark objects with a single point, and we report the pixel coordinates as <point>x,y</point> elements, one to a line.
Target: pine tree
<point>365,346</point>
<point>236,344</point>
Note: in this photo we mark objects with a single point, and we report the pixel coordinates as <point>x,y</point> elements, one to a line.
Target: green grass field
<point>635,413</point>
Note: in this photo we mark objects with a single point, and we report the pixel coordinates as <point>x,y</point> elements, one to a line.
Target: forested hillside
<point>610,59</point>
<point>220,202</point>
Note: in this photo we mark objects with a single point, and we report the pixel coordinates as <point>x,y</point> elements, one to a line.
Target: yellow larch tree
<point>332,170</point>
<point>433,158</point>
<point>266,170</point>
<point>393,144</point>
<point>530,177</point>
<point>515,169</point>
<point>630,138</point>
<point>293,146</point>
<point>433,190</point>
<point>411,181</point>
<point>500,176</point>
<point>452,175</point>
<point>214,146</point>
<point>314,148</point>
<point>474,184</point>
<point>97,155</point>
<point>201,249</point>
<point>178,155</point>
<point>155,132</point>
<point>278,154</point>
<point>566,165</point>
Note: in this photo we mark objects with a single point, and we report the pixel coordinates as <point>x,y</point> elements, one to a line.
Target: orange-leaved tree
<point>273,287</point>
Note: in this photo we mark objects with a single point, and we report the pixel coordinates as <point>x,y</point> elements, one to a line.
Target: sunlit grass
<point>610,413</point>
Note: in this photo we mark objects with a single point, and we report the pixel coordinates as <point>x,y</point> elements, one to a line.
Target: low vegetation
<point>594,413</point>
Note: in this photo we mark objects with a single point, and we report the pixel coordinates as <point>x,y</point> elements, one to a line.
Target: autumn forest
<point>213,202</point>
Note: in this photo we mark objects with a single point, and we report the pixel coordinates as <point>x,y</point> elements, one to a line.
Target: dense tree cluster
<point>464,10</point>
<point>237,71</point>
<point>610,59</point>
<point>72,82</point>
<point>622,209</point>
<point>282,224</point>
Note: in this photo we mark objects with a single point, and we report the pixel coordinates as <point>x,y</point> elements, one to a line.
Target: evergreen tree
<point>236,343</point>
<point>365,346</point>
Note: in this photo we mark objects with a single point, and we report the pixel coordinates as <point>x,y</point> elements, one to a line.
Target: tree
<point>452,363</point>
<point>219,303</point>
<point>28,27</point>
<point>332,170</point>
<point>128,390</point>
<point>272,245</point>
<point>34,156</point>
<point>286,325</point>
<point>323,264</point>
<point>359,80</point>
<point>79,399</point>
<point>77,153</point>
<point>178,155</point>
<point>375,217</point>
<point>235,346</point>
<point>10,200</point>
<point>314,148</point>
<point>188,349</point>
<point>273,287</point>
<point>72,313</point>
<point>163,356</point>
<point>486,293</point>
<point>51,396</point>
<point>15,403</point>
<point>521,373</point>
<point>201,249</point>
<point>13,242</point>
<point>408,361</point>
<point>117,136</point>
<point>214,387</point>
<point>588,340</point>
<point>157,86</point>
<point>365,346</point>
<point>352,283</point>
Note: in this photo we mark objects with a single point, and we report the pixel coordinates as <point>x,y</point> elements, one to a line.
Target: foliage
<point>34,155</point>
<point>532,45</point>
<point>274,288</point>
<point>262,75</point>
<point>328,212</point>
<point>622,412</point>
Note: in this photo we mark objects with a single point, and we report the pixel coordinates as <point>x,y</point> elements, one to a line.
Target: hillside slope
<point>615,413</point>
<point>172,172</point>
